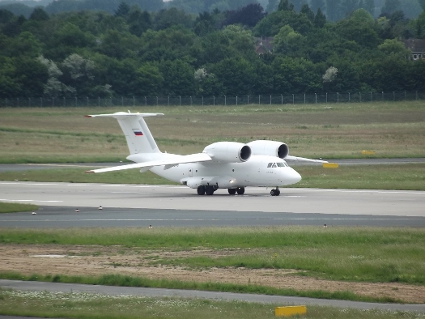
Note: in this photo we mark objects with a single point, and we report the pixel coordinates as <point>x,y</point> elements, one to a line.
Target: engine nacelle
<point>231,152</point>
<point>270,148</point>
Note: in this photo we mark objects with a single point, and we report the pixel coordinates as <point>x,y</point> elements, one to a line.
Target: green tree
<point>294,76</point>
<point>319,19</point>
<point>149,80</point>
<point>31,76</point>
<point>391,6</point>
<point>138,21</point>
<point>39,14</point>
<point>172,17</point>
<point>284,5</point>
<point>236,75</point>
<point>394,47</point>
<point>178,78</point>
<point>123,10</point>
<point>119,45</point>
<point>9,87</point>
<point>287,41</point>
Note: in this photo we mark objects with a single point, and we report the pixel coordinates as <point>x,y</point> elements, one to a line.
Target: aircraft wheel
<point>232,191</point>
<point>240,190</point>
<point>201,190</point>
<point>275,192</point>
<point>209,190</point>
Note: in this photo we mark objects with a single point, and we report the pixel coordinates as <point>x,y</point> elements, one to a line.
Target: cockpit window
<point>275,165</point>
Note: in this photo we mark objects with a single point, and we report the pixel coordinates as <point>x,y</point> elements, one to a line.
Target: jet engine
<point>270,148</point>
<point>231,152</point>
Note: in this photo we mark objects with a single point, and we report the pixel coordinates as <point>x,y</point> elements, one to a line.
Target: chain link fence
<point>316,98</point>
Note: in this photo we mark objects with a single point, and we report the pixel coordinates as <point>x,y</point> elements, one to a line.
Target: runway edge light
<point>330,165</point>
<point>290,311</point>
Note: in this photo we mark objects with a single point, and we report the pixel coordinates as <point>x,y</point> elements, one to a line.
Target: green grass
<point>15,208</point>
<point>402,177</point>
<point>91,306</point>
<point>40,135</point>
<point>340,253</point>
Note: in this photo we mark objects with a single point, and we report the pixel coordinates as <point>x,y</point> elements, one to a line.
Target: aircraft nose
<point>293,176</point>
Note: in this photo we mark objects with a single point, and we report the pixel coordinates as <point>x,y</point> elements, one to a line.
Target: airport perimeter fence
<point>264,99</point>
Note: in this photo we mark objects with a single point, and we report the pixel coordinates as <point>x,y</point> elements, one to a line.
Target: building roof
<point>415,45</point>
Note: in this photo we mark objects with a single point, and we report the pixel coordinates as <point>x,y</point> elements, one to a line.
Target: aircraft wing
<point>168,163</point>
<point>303,159</point>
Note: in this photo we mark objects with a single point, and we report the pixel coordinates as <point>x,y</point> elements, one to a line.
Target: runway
<point>179,206</point>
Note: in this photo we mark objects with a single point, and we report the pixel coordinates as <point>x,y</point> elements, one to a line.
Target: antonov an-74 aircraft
<point>221,165</point>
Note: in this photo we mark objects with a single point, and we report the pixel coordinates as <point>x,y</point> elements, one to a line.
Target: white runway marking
<point>30,200</point>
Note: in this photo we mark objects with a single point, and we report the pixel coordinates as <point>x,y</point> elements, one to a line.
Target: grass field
<point>341,253</point>
<point>85,305</point>
<point>39,135</point>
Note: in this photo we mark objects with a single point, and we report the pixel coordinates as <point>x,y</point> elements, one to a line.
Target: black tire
<point>209,190</point>
<point>231,191</point>
<point>201,190</point>
<point>272,192</point>
<point>240,190</point>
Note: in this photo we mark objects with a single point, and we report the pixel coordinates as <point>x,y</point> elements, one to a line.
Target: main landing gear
<point>275,192</point>
<point>239,190</point>
<point>210,189</point>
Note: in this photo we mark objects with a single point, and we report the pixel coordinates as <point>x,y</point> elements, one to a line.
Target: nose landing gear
<point>275,192</point>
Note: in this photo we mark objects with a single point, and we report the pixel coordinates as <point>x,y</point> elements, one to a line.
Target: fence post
<point>168,100</point>
<point>304,98</point>
<point>146,101</point>
<point>64,102</point>
<point>349,97</point>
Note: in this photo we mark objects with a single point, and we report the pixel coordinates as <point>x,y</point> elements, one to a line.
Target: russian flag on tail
<point>138,132</point>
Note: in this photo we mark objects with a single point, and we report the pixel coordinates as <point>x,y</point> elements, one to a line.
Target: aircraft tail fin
<point>137,134</point>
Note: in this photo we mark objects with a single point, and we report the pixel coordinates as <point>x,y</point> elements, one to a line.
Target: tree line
<point>141,52</point>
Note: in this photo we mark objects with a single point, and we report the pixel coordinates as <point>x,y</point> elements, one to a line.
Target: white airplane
<point>221,165</point>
